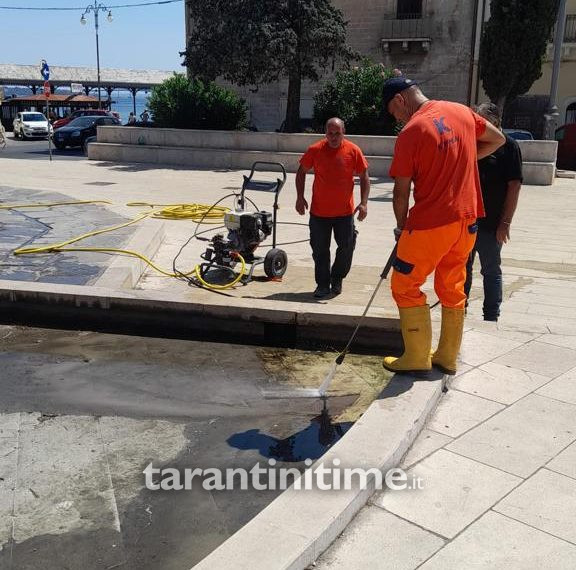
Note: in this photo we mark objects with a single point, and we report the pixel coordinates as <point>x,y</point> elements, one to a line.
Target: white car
<point>30,124</point>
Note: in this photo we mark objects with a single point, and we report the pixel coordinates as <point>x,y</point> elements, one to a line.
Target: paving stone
<point>549,298</point>
<point>9,424</point>
<point>427,442</point>
<point>565,462</point>
<point>6,519</point>
<point>462,369</point>
<point>559,340</point>
<point>456,492</point>
<point>52,226</point>
<point>377,539</point>
<point>496,542</point>
<point>522,438</point>
<point>494,329</point>
<point>478,347</point>
<point>458,412</point>
<point>546,501</point>
<point>70,445</point>
<point>541,358</point>
<point>522,322</point>
<point>500,383</point>
<point>562,388</point>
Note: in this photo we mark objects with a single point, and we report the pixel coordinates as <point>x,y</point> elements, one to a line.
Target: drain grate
<point>99,183</point>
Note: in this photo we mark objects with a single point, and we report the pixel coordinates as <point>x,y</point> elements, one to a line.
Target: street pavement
<point>37,149</point>
<point>497,458</point>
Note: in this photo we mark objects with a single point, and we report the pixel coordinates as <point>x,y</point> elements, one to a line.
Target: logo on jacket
<point>441,127</point>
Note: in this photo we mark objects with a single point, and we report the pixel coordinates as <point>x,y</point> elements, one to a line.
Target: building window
<point>409,9</point>
<point>571,113</point>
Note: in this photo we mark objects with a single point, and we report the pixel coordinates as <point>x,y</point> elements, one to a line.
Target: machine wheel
<point>275,263</point>
<point>59,145</point>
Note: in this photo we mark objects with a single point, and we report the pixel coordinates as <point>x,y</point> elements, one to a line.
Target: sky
<point>146,37</point>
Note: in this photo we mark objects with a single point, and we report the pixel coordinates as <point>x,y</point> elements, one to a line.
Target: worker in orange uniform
<point>335,161</point>
<point>437,151</point>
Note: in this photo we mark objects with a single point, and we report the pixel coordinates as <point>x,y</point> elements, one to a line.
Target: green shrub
<point>355,95</point>
<point>183,104</point>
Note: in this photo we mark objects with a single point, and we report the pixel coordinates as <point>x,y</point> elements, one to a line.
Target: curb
<point>125,271</point>
<point>294,530</point>
<point>156,314</point>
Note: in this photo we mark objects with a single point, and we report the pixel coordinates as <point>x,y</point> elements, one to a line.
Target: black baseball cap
<point>393,86</point>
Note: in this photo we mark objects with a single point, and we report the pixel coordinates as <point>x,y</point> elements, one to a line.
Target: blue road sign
<point>45,70</point>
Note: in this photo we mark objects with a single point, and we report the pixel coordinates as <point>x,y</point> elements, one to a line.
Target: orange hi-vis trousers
<point>445,251</point>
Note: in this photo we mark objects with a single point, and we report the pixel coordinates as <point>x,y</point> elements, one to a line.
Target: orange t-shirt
<point>334,170</point>
<point>437,150</point>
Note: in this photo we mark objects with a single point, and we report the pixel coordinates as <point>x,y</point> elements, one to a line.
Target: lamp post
<point>551,116</point>
<point>97,7</point>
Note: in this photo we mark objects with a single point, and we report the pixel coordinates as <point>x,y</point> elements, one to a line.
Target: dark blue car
<point>78,130</point>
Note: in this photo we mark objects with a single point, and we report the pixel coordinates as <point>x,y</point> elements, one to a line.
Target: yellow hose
<point>59,246</point>
<point>195,212</point>
<point>227,285</point>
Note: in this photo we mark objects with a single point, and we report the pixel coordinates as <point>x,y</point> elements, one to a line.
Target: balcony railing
<point>408,15</point>
<point>406,29</point>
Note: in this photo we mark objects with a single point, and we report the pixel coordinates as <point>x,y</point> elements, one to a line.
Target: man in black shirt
<point>501,178</point>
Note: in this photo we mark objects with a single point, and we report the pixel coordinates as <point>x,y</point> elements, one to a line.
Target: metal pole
<point>552,115</point>
<point>48,117</point>
<point>96,9</point>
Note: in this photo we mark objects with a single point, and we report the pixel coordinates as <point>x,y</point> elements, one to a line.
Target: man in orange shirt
<point>335,161</point>
<point>437,151</point>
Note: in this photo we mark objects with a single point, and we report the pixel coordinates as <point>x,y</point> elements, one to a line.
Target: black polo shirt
<point>496,170</point>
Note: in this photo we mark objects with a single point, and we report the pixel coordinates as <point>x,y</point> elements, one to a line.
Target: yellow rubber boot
<point>444,358</point>
<point>417,335</point>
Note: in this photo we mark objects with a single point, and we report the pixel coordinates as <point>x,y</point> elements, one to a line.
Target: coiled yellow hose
<point>199,213</point>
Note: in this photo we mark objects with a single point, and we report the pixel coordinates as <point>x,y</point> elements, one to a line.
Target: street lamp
<point>97,7</point>
<point>551,116</point>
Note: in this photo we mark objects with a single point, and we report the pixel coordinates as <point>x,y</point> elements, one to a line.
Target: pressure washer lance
<point>340,358</point>
<point>321,392</point>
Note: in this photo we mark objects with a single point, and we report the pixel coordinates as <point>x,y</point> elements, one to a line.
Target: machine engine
<point>246,231</point>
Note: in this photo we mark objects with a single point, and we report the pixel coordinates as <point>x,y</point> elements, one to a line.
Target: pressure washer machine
<point>247,229</point>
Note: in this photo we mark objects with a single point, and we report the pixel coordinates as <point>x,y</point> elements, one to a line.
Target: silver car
<point>31,124</point>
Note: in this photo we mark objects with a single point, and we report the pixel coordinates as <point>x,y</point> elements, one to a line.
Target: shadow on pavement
<point>401,383</point>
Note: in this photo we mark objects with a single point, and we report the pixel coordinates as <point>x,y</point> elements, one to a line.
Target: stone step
<point>210,157</point>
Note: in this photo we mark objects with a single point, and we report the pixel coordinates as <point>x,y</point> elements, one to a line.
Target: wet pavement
<point>28,227</point>
<point>82,414</point>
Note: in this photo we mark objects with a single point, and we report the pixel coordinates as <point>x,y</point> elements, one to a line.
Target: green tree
<point>255,42</point>
<point>513,46</point>
<point>183,104</point>
<point>355,95</point>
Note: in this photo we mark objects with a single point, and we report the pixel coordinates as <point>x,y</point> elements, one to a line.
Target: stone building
<point>431,41</point>
<point>529,111</point>
<point>566,100</point>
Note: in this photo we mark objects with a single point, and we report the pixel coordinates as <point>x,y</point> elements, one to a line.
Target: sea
<point>121,99</point>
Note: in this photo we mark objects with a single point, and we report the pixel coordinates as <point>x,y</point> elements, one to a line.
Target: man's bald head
<point>335,130</point>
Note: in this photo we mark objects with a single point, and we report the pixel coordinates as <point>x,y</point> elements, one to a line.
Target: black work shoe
<point>337,286</point>
<point>321,292</point>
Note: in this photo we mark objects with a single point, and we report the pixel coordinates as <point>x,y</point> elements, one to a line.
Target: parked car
<point>519,134</point>
<point>77,131</point>
<point>81,113</point>
<point>566,137</point>
<point>87,142</point>
<point>28,124</point>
